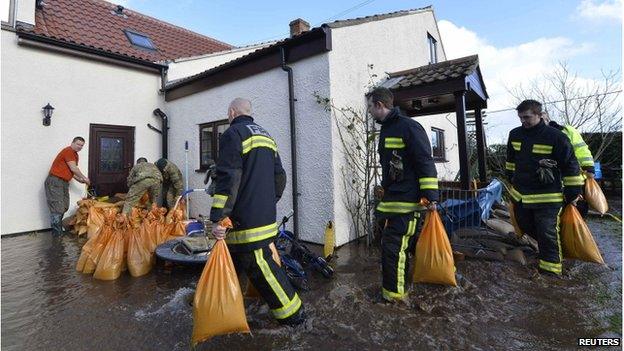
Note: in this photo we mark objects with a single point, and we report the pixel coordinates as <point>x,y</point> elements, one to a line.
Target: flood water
<point>47,305</point>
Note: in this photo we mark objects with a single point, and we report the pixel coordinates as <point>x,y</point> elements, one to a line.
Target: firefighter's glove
<point>548,163</point>
<point>396,167</point>
<point>545,171</point>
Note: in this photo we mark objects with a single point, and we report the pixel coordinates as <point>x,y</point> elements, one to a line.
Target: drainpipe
<point>293,141</point>
<point>164,130</point>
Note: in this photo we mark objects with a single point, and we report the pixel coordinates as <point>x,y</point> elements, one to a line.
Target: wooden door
<point>111,156</point>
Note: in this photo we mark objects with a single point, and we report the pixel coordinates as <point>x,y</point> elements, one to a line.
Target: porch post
<point>464,166</point>
<point>480,144</point>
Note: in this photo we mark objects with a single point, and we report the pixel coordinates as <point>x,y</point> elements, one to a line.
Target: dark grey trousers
<point>57,196</point>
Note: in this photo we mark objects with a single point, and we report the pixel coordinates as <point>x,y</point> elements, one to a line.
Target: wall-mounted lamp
<point>47,114</point>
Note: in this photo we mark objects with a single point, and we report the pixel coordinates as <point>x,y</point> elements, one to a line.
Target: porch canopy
<point>444,87</point>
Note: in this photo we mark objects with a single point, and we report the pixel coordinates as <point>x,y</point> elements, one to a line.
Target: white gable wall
<point>184,67</point>
<point>390,45</point>
<point>268,92</point>
<point>82,92</point>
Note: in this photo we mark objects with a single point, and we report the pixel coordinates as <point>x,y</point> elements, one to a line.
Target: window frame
<point>129,33</point>
<point>214,147</point>
<point>441,156</point>
<point>11,18</point>
<point>432,45</point>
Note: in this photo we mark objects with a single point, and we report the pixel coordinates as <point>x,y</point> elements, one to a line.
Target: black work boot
<point>295,320</point>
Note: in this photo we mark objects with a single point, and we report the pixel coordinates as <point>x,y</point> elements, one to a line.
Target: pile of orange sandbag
<point>118,242</point>
<point>89,216</point>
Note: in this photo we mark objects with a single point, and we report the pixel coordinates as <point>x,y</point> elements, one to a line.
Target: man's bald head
<point>239,106</point>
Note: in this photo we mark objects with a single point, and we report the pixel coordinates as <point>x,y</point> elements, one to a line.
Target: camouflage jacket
<point>172,176</point>
<point>143,171</point>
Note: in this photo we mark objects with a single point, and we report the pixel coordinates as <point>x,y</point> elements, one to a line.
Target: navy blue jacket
<point>525,148</point>
<point>408,139</point>
<point>249,182</point>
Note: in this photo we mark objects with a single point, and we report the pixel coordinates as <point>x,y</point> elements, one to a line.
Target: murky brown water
<point>47,305</point>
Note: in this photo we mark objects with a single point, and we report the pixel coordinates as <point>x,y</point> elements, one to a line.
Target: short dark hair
<point>383,95</point>
<point>141,159</point>
<point>78,138</point>
<point>530,105</point>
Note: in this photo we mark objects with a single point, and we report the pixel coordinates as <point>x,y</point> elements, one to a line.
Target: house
<point>191,90</point>
<point>337,61</point>
<point>101,67</point>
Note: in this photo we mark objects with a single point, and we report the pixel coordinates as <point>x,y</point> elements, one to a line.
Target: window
<point>7,12</point>
<point>111,154</point>
<point>437,145</point>
<point>209,134</point>
<point>433,49</point>
<point>140,40</point>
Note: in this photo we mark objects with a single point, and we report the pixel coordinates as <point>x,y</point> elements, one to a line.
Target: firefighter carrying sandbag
<point>249,182</point>
<point>544,174</point>
<point>408,175</point>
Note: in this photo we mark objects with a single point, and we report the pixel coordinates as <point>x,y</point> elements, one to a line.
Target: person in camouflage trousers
<point>173,183</point>
<point>143,177</point>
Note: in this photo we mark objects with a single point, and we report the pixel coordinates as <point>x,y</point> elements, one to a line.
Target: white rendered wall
<point>449,169</point>
<point>268,92</point>
<point>185,67</point>
<point>390,45</point>
<point>82,92</point>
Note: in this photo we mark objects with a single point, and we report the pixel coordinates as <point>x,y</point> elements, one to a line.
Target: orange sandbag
<point>576,239</point>
<point>512,215</point>
<point>95,220</point>
<point>433,262</point>
<point>84,254</point>
<point>177,228</point>
<point>218,304</point>
<point>136,217</point>
<point>156,218</point>
<point>101,241</point>
<point>594,196</point>
<point>149,241</point>
<point>109,266</point>
<point>123,225</point>
<point>139,258</point>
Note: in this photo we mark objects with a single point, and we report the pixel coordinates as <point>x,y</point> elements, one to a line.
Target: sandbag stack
<point>117,242</point>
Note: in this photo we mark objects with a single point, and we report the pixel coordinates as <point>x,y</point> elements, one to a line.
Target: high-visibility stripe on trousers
<point>544,226</point>
<point>397,238</point>
<point>271,282</point>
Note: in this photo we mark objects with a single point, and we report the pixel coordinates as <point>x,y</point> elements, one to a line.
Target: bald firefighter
<point>249,182</point>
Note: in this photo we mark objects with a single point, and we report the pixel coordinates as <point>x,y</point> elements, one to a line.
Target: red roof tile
<point>94,23</point>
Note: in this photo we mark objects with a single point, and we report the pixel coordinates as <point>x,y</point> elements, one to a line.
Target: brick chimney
<point>298,26</point>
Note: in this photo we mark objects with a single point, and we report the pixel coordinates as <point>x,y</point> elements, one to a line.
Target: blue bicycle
<point>295,256</point>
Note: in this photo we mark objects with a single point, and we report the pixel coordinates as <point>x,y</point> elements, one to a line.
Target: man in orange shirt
<point>64,168</point>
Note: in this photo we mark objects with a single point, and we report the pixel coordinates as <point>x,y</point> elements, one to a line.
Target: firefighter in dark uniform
<point>540,161</point>
<point>408,175</point>
<point>582,153</point>
<point>249,182</point>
